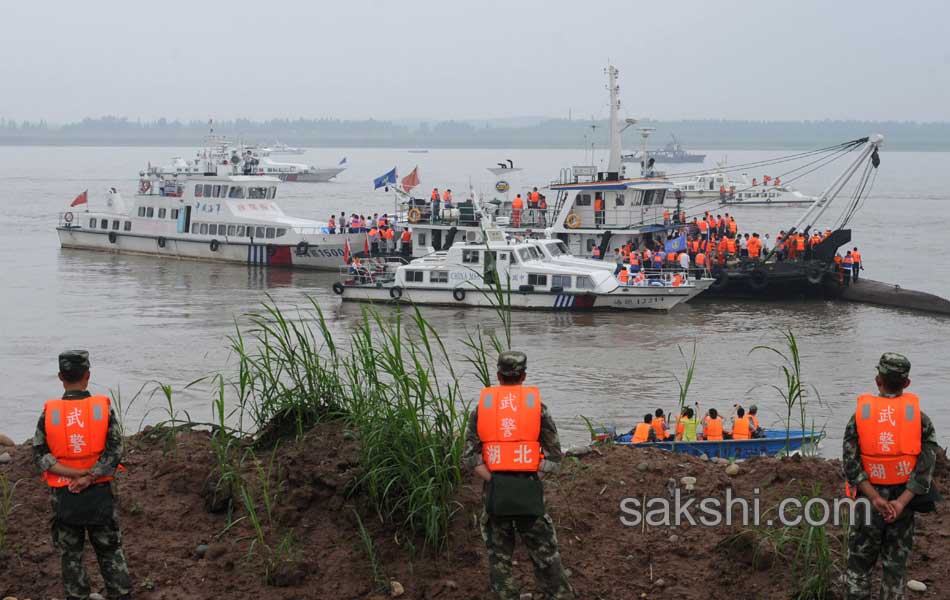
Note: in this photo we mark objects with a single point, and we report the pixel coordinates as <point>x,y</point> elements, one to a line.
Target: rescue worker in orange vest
<point>542,211</point>
<point>722,192</point>
<point>634,262</point>
<point>888,457</point>
<point>598,209</point>
<point>447,198</point>
<point>741,425</point>
<point>533,198</point>
<point>595,252</point>
<point>712,426</point>
<point>435,200</point>
<point>666,217</point>
<point>660,426</point>
<point>405,242</point>
<point>753,414</point>
<point>733,226</point>
<point>511,443</point>
<point>623,276</point>
<point>644,432</point>
<point>839,268</point>
<point>388,235</point>
<point>374,240</point>
<point>846,267</point>
<point>78,446</point>
<point>855,264</point>
<point>331,225</point>
<point>754,247</point>
<point>517,205</point>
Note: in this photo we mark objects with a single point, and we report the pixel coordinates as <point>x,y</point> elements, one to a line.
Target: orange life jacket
<point>800,243</point>
<point>598,204</point>
<point>703,226</point>
<point>671,257</point>
<point>677,280</point>
<point>741,430</point>
<point>373,233</point>
<point>755,421</point>
<point>888,436</point>
<point>509,426</point>
<point>517,203</point>
<point>666,215</point>
<point>641,433</point>
<point>712,428</point>
<point>658,423</point>
<point>388,233</point>
<point>733,226</point>
<point>595,251</point>
<point>447,197</point>
<point>847,260</point>
<point>856,256</point>
<point>533,197</point>
<point>700,260</point>
<point>331,223</point>
<point>634,259</point>
<point>623,276</point>
<point>435,195</point>
<point>543,204</point>
<point>731,245</point>
<point>76,433</point>
<point>406,236</point>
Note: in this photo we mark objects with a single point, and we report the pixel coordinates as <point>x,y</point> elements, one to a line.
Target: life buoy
<point>68,217</point>
<point>395,293</point>
<point>214,245</point>
<point>414,215</point>
<point>271,250</point>
<point>145,186</point>
<point>161,242</point>
<point>758,279</point>
<point>303,248</point>
<point>573,221</point>
<point>112,237</point>
<point>721,277</point>
<point>458,294</point>
<point>815,275</point>
<point>338,288</point>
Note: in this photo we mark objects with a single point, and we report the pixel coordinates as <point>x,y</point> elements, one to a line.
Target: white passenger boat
<point>218,217</point>
<point>472,274</point>
<point>247,160</point>
<point>278,148</point>
<point>728,190</point>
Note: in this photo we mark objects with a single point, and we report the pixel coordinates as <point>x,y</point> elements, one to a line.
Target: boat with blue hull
<point>774,442</point>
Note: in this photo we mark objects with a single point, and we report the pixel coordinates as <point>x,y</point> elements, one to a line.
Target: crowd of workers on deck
<point>744,425</point>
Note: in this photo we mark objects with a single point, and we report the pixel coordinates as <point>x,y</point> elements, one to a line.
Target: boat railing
<point>368,273</point>
<point>666,277</point>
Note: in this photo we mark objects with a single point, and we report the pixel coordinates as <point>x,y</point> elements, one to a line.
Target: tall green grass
<point>7,506</point>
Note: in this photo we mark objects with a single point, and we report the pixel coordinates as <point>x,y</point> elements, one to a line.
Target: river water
<point>146,320</point>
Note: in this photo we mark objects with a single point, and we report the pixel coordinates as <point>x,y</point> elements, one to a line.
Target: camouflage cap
<point>512,363</point>
<point>892,363</point>
<point>73,361</point>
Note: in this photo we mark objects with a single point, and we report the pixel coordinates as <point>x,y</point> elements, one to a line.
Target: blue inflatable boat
<point>772,444</point>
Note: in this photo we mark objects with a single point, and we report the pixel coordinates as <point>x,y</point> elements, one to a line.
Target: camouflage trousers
<point>106,541</point>
<point>540,540</point>
<point>891,543</point>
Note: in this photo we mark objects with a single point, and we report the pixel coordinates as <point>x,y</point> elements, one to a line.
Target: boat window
<point>524,254</point>
<point>194,228</point>
<point>584,282</point>
<point>281,232</point>
<point>128,226</point>
<point>213,229</point>
<point>161,213</point>
<point>503,256</point>
<point>648,197</point>
<point>240,230</point>
<point>582,200</point>
<point>204,229</point>
<point>216,191</point>
<point>269,232</point>
<point>414,276</point>
<point>231,230</point>
<point>561,281</point>
<point>470,257</point>
<point>257,193</point>
<point>561,248</point>
<point>208,190</point>
<point>537,279</point>
<point>198,191</point>
<point>115,225</point>
<point>141,211</point>
<point>236,192</point>
<point>150,212</point>
<point>659,196</point>
<point>92,223</point>
<point>438,276</point>
<point>259,232</point>
<point>273,192</point>
<point>619,201</point>
<point>421,238</point>
<point>173,214</point>
<point>104,224</point>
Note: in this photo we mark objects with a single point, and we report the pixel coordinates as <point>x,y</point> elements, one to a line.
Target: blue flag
<point>342,162</point>
<point>384,180</point>
<point>676,245</point>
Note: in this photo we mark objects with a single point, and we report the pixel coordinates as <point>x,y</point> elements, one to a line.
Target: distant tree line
<point>541,133</point>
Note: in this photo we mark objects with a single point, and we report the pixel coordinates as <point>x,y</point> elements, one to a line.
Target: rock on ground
<point>916,586</point>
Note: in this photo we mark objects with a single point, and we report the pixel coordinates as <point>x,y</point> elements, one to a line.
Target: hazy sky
<point>796,59</point>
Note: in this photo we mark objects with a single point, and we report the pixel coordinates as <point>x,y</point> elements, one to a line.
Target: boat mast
<point>615,161</point>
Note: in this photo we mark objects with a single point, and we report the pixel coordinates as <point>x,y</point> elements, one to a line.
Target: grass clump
<point>7,506</point>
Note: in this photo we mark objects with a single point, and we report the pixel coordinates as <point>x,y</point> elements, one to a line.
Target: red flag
<point>366,244</point>
<point>80,199</point>
<point>346,251</point>
<point>411,180</point>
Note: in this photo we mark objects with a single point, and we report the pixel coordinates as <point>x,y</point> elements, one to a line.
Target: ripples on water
<point>146,319</point>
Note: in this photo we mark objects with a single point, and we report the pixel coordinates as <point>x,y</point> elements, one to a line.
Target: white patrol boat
<point>728,190</point>
<point>218,217</point>
<point>475,274</point>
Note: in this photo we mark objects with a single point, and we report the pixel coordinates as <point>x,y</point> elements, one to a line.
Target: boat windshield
<point>529,253</point>
<point>556,248</point>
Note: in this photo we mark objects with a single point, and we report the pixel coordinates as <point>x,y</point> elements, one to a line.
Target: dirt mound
<point>177,549</point>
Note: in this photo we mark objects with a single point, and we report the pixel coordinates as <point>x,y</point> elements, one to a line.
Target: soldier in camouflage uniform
<point>537,533</point>
<point>890,534</point>
<point>69,537</point>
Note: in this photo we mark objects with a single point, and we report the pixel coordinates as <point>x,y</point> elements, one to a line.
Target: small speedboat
<point>775,442</point>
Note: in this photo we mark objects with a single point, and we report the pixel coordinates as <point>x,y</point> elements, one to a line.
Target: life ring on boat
<point>161,242</point>
<point>458,294</point>
<point>112,237</point>
<point>271,250</point>
<point>68,217</point>
<point>395,293</point>
<point>414,215</point>
<point>338,288</point>
<point>303,248</point>
<point>815,275</point>
<point>721,277</point>
<point>214,245</point>
<point>145,186</point>
<point>758,279</point>
<point>573,221</point>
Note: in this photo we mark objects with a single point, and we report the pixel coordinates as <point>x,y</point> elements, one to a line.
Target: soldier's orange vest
<point>740,429</point>
<point>712,429</point>
<point>76,434</point>
<point>889,436</point>
<point>641,433</point>
<point>658,423</point>
<point>509,426</point>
